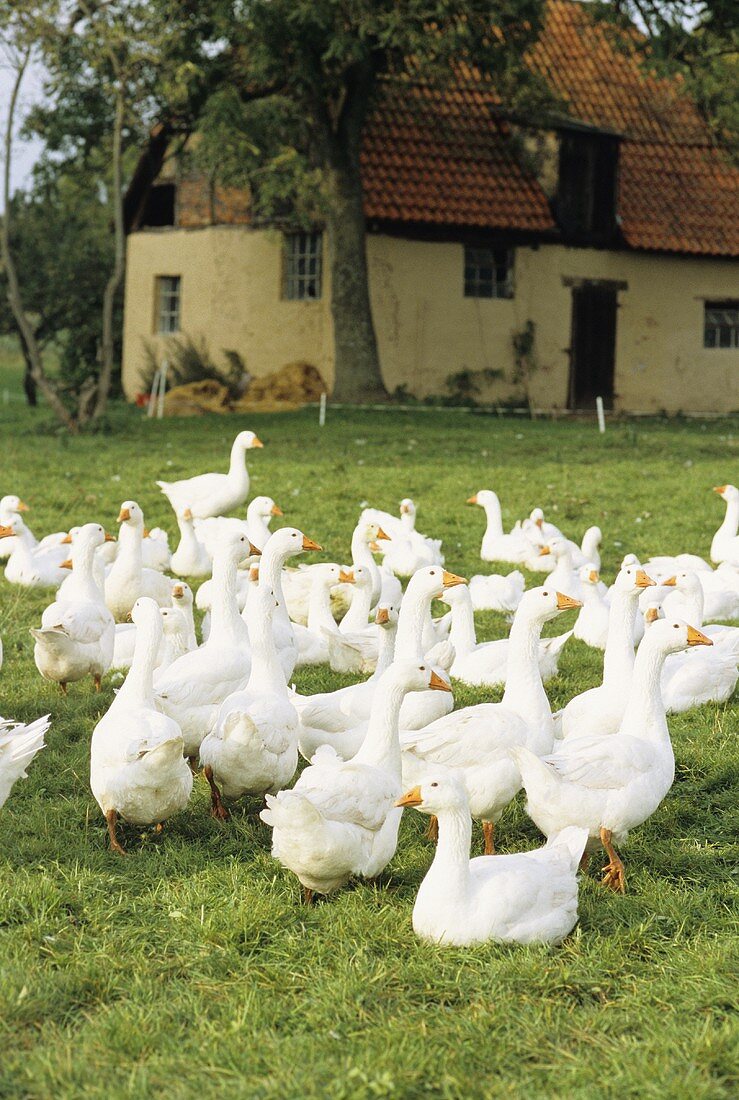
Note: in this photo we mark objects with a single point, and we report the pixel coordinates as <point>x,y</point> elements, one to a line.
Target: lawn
<point>191,968</point>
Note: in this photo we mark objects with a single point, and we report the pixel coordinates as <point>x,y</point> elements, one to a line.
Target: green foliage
<point>190,360</point>
<point>464,387</point>
<point>191,968</point>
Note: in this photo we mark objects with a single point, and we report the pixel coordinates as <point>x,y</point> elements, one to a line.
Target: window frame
<point>172,294</point>
<point>302,265</point>
<point>477,285</point>
<point>718,305</point>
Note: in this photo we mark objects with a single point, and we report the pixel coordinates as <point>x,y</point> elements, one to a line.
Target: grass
<point>190,968</point>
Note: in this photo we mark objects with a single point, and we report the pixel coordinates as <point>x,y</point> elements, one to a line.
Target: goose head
<point>537,517</point>
<point>90,534</point>
<point>673,635</point>
<point>631,579</point>
<point>234,546</point>
<point>685,581</point>
<point>182,594</point>
<point>437,794</point>
<point>558,548</point>
<point>371,533</point>
<point>386,615</point>
<point>629,559</point>
<point>407,507</point>
<point>14,526</point>
<point>484,498</point>
<point>544,603</point>
<point>592,538</point>
<point>290,541</point>
<point>263,508</point>
<point>12,504</point>
<point>589,575</point>
<point>652,613</point>
<point>412,676</point>
<point>456,595</point>
<point>173,621</point>
<point>131,515</point>
<point>263,602</point>
<point>246,441</point>
<point>359,575</point>
<point>327,575</point>
<point>145,613</point>
<point>431,582</point>
<point>729,493</point>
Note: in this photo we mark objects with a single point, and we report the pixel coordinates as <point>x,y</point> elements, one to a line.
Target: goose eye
<point>546,593</point>
<point>676,626</point>
<point>434,784</point>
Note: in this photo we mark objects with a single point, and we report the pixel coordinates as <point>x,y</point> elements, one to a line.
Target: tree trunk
<point>31,350</point>
<point>29,385</point>
<point>113,285</point>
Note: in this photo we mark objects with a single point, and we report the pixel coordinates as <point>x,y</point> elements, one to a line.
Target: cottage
<point>593,255</point>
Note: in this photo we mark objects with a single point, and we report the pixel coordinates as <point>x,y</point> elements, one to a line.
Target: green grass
<point>190,968</point>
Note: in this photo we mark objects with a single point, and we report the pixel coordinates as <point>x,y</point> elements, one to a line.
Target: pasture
<point>191,967</point>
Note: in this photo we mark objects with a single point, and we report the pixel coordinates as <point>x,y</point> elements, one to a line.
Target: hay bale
<point>196,399</point>
<point>290,387</point>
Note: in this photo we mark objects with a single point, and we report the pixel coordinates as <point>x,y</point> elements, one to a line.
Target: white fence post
<point>601,415</point>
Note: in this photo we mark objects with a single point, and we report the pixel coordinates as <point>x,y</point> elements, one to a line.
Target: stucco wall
<point>428,330</point>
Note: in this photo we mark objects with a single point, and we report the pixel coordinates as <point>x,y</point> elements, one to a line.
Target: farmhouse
<point>594,254</point>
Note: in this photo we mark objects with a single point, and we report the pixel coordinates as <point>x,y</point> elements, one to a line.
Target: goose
<point>312,640</point>
<point>192,689</point>
<point>333,711</point>
<point>128,578</point>
<point>604,706</point>
<point>344,715</point>
<point>214,494</point>
<point>725,543</point>
<point>77,631</point>
<point>494,592</point>
<point>688,600</point>
<point>255,526</point>
<point>407,549</point>
<point>178,633</point>
<point>155,552</point>
<point>296,583</point>
<point>530,897</point>
<point>483,664</point>
<point>137,770</point>
<point>698,676</point>
<point>591,625</point>
<point>253,747</point>
<point>496,544</point>
<point>474,744</point>
<point>611,783</point>
<point>563,577</point>
<point>32,566</point>
<point>340,818</point>
<point>11,506</point>
<point>19,743</point>
<point>190,559</point>
<point>354,646</point>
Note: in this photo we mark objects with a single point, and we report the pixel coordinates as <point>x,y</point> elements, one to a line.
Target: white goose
<point>127,578</point>
<point>192,689</point>
<point>11,506</point>
<point>611,783</point>
<point>474,744</point>
<point>178,632</point>
<point>591,625</point>
<point>312,640</point>
<point>19,744</point>
<point>496,544</point>
<point>259,513</point>
<point>77,632</point>
<point>407,549</point>
<point>530,897</point>
<point>183,599</point>
<point>484,664</point>
<point>30,565</point>
<point>695,677</point>
<point>354,646</point>
<point>214,494</point>
<point>340,819</point>
<point>137,770</point>
<point>725,544</point>
<point>253,748</point>
<point>494,592</point>
<point>175,637</point>
<point>604,706</point>
<point>688,600</point>
<point>190,559</point>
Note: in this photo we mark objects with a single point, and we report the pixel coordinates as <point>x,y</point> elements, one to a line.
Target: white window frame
<point>721,316</point>
<point>168,304</point>
<point>302,266</point>
<point>479,260</point>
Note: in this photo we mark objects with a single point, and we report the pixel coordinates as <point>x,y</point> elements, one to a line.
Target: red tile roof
<point>445,158</point>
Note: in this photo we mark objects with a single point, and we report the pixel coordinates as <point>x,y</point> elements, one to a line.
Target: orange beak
<point>276,511</point>
<point>404,509</point>
<point>651,615</point>
<point>471,500</point>
<point>178,591</point>
<point>543,550</point>
<point>66,541</point>
<point>381,534</point>
<point>6,532</point>
<point>539,523</point>
<point>437,684</point>
<point>671,582</point>
<point>346,576</point>
<point>256,442</point>
<point>642,580</point>
<point>719,489</point>
<point>254,573</point>
<point>22,507</point>
<point>594,576</point>
<point>187,514</point>
<point>451,580</point>
<point>696,637</point>
<point>109,538</point>
<point>412,797</point>
<point>123,515</point>
<point>374,547</point>
<point>254,551</point>
<point>382,617</point>
<point>67,564</point>
<point>147,533</point>
<point>564,603</point>
<point>309,544</point>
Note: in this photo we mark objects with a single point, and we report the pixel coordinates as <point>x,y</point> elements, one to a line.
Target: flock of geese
<point>592,772</point>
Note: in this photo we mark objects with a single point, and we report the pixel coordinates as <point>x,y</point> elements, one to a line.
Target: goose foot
<point>307,896</point>
<point>432,829</point>
<point>97,680</point>
<point>63,686</point>
<point>217,809</point>
<point>159,827</point>
<point>112,818</point>
<point>614,873</point>
<point>488,831</point>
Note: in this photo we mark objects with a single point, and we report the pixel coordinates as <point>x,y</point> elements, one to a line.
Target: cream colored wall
<point>427,329</point>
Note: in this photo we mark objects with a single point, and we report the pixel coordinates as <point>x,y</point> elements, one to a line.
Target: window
<point>721,325</point>
<point>168,303</point>
<point>586,187</point>
<point>302,266</point>
<point>160,206</point>
<point>488,272</point>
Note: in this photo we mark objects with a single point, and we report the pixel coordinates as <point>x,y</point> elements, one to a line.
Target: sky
<point>25,153</point>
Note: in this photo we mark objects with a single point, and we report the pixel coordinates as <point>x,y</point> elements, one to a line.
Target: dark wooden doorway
<point>592,345</point>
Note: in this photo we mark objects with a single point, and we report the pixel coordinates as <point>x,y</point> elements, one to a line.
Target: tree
<point>304,74</point>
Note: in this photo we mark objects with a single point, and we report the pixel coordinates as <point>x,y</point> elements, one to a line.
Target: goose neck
<point>413,611</point>
<point>494,518</point>
<point>225,618</point>
<point>82,581</point>
<point>359,609</point>
<point>524,692</point>
<point>451,864</point>
<point>385,650</point>
<point>462,633</point>
<point>138,687</point>
<point>618,659</point>
<point>266,675</point>
<point>645,711</point>
<point>381,745</point>
<point>319,608</point>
